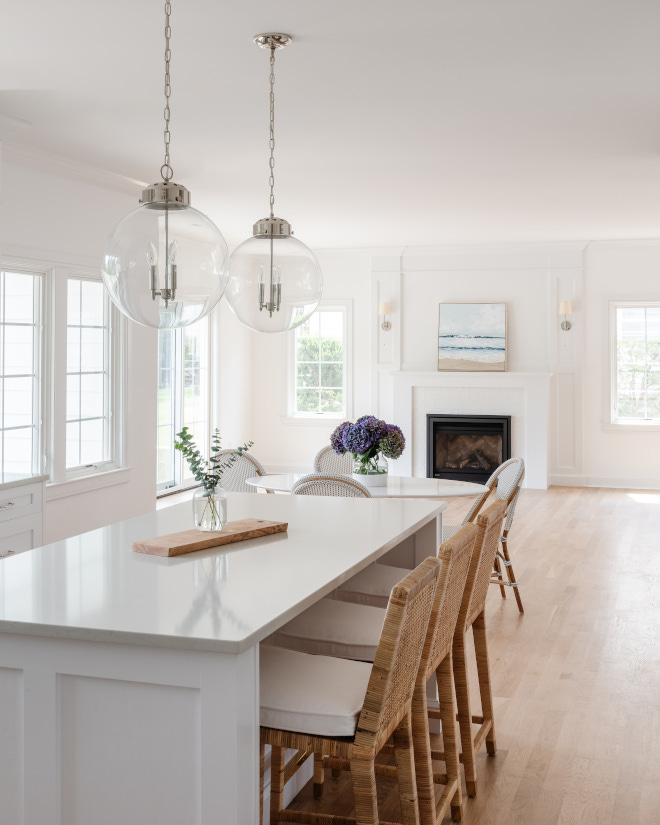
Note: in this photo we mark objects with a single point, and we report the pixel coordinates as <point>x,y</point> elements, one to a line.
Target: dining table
<point>396,487</point>
<point>130,682</point>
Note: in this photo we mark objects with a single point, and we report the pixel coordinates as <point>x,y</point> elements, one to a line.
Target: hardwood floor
<point>576,678</point>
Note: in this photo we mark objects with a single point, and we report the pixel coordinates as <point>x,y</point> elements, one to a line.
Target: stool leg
<point>449,738</point>
<point>464,713</point>
<point>405,772</point>
<point>319,775</point>
<point>483,669</point>
<point>364,792</point>
<point>423,763</point>
<point>498,573</point>
<point>510,573</point>
<point>276,783</point>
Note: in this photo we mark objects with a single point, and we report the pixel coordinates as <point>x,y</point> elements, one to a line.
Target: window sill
<point>86,484</point>
<point>643,427</point>
<point>315,421</point>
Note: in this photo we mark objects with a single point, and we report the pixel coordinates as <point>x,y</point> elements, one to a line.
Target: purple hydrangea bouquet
<point>368,439</point>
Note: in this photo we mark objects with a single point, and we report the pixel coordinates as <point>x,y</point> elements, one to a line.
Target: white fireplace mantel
<point>522,395</point>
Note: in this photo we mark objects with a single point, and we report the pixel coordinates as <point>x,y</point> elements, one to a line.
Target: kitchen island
<point>130,683</point>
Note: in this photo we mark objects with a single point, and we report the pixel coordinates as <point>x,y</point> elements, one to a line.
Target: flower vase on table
<point>370,440</point>
<point>372,472</point>
<point>210,509</point>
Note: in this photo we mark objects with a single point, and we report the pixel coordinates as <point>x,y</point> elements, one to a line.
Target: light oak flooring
<point>576,678</point>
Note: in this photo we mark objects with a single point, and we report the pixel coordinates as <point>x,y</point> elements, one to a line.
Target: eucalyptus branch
<point>208,472</point>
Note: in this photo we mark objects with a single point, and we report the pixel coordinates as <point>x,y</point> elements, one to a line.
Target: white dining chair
<point>246,466</point>
<point>327,461</point>
<point>326,484</point>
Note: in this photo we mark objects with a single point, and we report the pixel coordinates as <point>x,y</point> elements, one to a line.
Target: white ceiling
<point>429,122</point>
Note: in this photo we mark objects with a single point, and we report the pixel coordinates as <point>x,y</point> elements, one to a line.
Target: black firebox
<point>466,447</point>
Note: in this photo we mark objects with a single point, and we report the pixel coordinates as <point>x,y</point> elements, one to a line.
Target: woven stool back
<point>245,466</point>
<point>455,555</point>
<point>326,484</point>
<point>489,526</point>
<point>396,663</point>
<point>327,461</point>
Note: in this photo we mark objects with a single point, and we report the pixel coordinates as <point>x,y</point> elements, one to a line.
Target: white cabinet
<point>21,515</point>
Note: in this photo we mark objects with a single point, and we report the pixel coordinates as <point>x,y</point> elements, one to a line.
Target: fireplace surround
<point>466,447</point>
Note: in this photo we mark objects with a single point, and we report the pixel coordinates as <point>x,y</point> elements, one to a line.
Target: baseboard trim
<point>615,482</point>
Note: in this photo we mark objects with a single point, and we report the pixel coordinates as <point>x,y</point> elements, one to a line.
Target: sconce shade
<point>384,308</point>
<point>565,308</point>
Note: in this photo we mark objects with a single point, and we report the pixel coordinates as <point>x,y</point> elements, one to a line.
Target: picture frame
<point>472,337</point>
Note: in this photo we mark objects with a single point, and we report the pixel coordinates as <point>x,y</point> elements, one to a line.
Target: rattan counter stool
<point>472,615</point>
<point>349,710</point>
<point>506,482</point>
<point>352,631</point>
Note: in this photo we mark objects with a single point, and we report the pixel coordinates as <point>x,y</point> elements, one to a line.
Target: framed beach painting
<point>472,337</point>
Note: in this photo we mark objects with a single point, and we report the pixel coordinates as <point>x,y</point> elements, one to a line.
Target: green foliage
<point>320,375</point>
<point>638,379</point>
<point>207,472</point>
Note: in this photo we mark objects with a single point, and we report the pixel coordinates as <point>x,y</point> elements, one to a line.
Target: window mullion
<point>58,380</point>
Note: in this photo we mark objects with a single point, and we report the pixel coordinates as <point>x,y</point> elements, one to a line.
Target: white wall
<point>59,220</point>
<point>615,270</point>
<point>283,444</point>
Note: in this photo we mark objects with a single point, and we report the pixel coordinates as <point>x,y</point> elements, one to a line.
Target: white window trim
<point>322,419</point>
<point>187,480</point>
<point>52,460</point>
<point>610,421</point>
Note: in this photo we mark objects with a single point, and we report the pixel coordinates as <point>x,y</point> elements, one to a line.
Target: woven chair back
<point>398,655</point>
<point>245,466</point>
<point>327,461</point>
<point>326,484</point>
<point>455,555</point>
<point>489,525</point>
<point>506,481</point>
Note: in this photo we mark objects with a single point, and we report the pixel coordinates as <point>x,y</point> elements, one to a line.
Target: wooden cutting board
<point>176,544</point>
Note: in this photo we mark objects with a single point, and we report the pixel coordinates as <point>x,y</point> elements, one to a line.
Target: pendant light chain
<point>271,162</point>
<point>166,170</point>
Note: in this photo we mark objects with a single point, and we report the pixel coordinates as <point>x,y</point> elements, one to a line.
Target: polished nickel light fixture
<point>275,281</point>
<point>165,264</point>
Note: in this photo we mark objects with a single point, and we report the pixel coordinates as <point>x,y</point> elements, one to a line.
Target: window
<point>20,347</point>
<point>183,397</point>
<point>88,439</point>
<point>320,382</point>
<point>636,362</point>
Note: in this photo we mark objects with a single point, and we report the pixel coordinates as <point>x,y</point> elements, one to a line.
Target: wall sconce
<point>384,311</point>
<point>565,309</point>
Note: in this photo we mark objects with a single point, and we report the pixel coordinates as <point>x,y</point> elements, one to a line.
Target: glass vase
<point>210,509</point>
<point>372,472</point>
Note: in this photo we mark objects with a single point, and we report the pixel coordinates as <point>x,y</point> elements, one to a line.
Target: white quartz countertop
<point>11,480</point>
<point>225,599</point>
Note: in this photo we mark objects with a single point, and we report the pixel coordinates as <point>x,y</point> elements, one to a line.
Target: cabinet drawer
<point>19,535</point>
<point>21,501</point>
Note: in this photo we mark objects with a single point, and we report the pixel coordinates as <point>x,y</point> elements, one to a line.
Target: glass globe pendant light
<point>275,281</point>
<point>165,264</point>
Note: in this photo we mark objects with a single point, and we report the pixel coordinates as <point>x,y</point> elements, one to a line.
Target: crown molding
<point>10,124</point>
<point>68,168</point>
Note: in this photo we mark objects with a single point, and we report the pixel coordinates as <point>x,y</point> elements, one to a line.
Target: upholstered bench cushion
<point>310,694</point>
<point>372,585</point>
<point>331,628</point>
